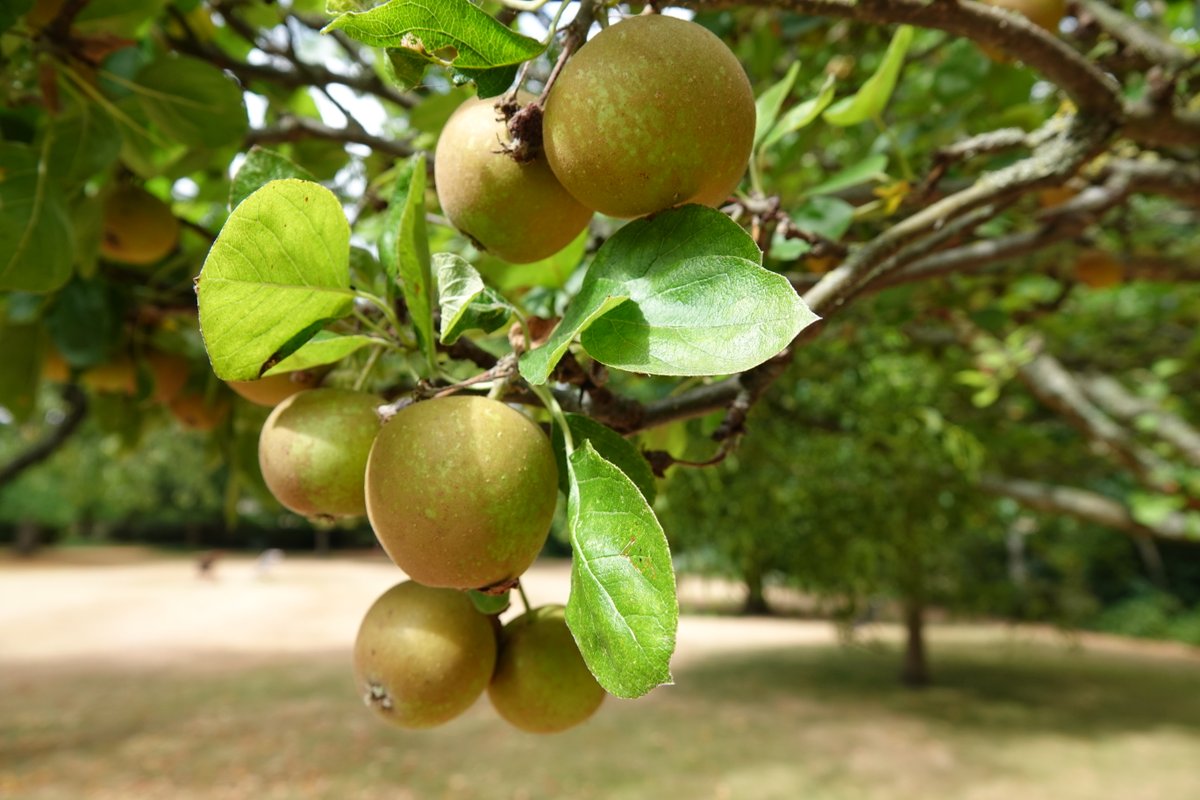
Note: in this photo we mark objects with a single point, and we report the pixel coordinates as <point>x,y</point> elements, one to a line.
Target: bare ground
<point>124,676</point>
<point>157,611</point>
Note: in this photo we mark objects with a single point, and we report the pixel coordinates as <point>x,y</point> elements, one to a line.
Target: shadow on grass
<point>822,723</point>
<point>1003,688</point>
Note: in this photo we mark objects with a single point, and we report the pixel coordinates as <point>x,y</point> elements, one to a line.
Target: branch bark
<point>293,129</point>
<point>1090,507</point>
<point>1092,90</point>
<point>1114,398</point>
<point>77,407</point>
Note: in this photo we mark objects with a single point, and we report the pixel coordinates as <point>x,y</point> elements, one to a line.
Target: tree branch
<point>294,129</point>
<point>1090,507</point>
<point>1114,398</point>
<point>1091,89</point>
<point>77,407</point>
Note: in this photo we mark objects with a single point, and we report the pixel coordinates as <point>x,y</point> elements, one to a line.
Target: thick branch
<point>1090,507</point>
<point>77,407</point>
<point>1114,398</point>
<point>1134,37</point>
<point>1090,88</point>
<point>1054,161</point>
<point>1093,91</point>
<point>1057,389</point>
<point>293,129</point>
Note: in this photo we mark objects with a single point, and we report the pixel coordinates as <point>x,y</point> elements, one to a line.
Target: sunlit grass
<point>1005,720</point>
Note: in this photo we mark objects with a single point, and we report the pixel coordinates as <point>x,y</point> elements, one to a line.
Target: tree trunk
<point>915,673</point>
<point>29,536</point>
<point>756,600</point>
<point>323,539</point>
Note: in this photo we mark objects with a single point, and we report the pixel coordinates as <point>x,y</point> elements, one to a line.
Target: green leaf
<point>551,272</point>
<point>873,167</point>
<point>622,610</point>
<point>489,604</point>
<point>488,82</point>
<point>446,32</point>
<point>612,447</point>
<point>191,101</point>
<point>767,105</point>
<point>430,115</point>
<point>84,141</point>
<point>404,250</point>
<point>826,216</point>
<point>85,323</point>
<point>324,348</point>
<point>13,11</point>
<point>260,167</point>
<point>20,367</point>
<point>467,303</point>
<point>278,272</point>
<point>404,67</point>
<point>87,223</point>
<point>117,17</point>
<point>34,226</point>
<point>802,115</point>
<point>699,303</point>
<point>871,98</point>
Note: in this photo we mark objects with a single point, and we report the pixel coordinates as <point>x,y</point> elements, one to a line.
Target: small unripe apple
<point>196,411</point>
<point>138,228</point>
<point>117,377</point>
<point>517,211</point>
<point>653,112</point>
<point>1098,270</point>
<point>313,451</point>
<point>461,491</point>
<point>542,684</point>
<point>170,372</point>
<point>423,655</point>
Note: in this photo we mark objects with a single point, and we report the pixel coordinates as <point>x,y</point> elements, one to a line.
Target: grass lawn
<point>1007,720</point>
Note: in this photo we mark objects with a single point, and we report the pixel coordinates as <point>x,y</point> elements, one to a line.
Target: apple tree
<point>616,217</point>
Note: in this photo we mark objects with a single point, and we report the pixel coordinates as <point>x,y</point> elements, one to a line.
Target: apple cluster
<point>653,112</point>
<point>460,492</point>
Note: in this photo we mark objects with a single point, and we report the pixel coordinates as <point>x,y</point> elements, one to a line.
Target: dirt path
<point>160,612</point>
<point>157,611</point>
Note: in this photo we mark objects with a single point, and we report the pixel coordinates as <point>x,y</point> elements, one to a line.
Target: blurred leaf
<point>260,167</point>
<point>767,105</point>
<point>277,273</point>
<point>84,141</point>
<point>34,226</point>
<point>85,323</point>
<point>430,115</point>
<point>801,115</point>
<point>551,272</point>
<point>191,101</point>
<point>872,97</point>
<point>117,17</point>
<point>825,216</point>
<point>20,367</point>
<point>622,609</point>
<point>11,11</point>
<point>870,168</point>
